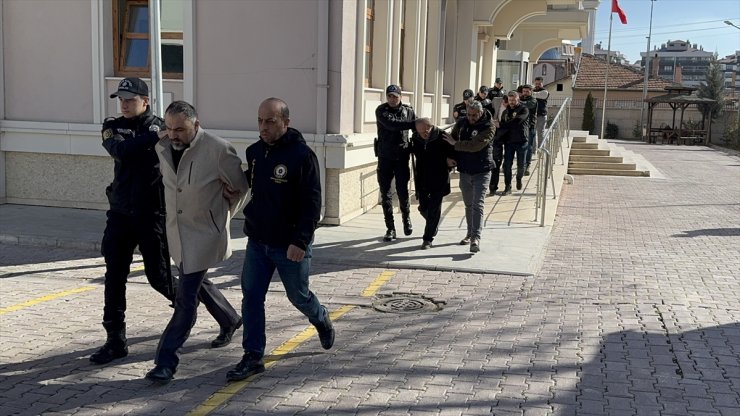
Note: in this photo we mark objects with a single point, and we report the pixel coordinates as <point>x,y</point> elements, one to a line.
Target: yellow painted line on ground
<point>227,392</point>
<point>46,298</point>
<point>376,284</point>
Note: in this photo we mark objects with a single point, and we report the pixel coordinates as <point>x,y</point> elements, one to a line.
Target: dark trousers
<point>511,149</point>
<point>531,145</point>
<point>387,170</point>
<point>498,158</point>
<point>430,207</point>
<point>192,288</point>
<point>122,234</point>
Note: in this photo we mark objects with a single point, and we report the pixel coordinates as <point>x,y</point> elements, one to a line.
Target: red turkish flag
<point>618,10</point>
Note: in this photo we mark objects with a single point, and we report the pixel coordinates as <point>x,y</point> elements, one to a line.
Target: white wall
<point>247,51</point>
<point>48,61</point>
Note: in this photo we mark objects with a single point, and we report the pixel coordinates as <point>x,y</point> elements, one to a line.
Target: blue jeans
<point>473,188</point>
<point>260,263</point>
<point>509,150</point>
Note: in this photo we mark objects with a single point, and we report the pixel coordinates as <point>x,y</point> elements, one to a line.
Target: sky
<point>698,21</point>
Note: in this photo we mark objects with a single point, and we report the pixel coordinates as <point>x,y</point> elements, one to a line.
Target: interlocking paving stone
<point>633,312</point>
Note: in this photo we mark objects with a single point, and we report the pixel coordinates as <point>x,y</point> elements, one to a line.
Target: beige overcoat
<point>198,215</point>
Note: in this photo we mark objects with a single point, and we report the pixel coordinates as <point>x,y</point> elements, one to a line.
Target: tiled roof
<point>591,76</point>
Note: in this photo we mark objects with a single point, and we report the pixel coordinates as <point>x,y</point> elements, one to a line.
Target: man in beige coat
<point>196,167</point>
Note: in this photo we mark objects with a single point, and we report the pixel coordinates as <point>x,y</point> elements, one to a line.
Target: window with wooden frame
<point>369,27</point>
<point>131,43</point>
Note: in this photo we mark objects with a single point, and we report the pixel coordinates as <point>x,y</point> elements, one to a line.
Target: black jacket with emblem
<point>461,109</point>
<point>137,184</point>
<point>393,130</point>
<point>515,125</point>
<point>285,205</point>
<point>473,146</point>
<point>432,176</point>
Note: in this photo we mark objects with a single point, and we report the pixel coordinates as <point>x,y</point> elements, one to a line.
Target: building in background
<point>330,60</point>
<point>555,64</point>
<point>615,56</point>
<point>730,66</point>
<point>679,61</point>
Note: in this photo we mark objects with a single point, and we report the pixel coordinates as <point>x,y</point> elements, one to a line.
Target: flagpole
<point>606,76</point>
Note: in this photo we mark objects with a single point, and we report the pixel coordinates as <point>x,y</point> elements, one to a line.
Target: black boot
<point>390,235</point>
<point>326,331</point>
<point>407,228</point>
<point>116,345</point>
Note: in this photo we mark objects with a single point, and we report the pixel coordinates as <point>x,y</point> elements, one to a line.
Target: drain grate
<point>399,302</point>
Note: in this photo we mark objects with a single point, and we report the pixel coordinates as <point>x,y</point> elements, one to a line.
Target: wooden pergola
<point>679,97</point>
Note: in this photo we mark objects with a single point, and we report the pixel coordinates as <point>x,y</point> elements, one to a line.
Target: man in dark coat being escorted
<point>431,174</point>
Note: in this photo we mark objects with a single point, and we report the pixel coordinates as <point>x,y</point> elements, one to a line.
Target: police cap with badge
<point>130,88</point>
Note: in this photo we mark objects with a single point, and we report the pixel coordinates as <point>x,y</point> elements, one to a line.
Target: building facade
<point>330,60</point>
<point>730,66</point>
<point>679,61</point>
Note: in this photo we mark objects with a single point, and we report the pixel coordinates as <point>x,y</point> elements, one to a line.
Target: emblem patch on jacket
<point>474,133</point>
<point>279,173</point>
<point>107,134</point>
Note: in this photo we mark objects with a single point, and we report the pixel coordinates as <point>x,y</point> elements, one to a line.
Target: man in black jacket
<point>279,221</point>
<point>394,120</point>
<point>460,110</point>
<point>514,122</point>
<point>431,175</point>
<point>529,101</point>
<point>136,216</point>
<point>472,139</point>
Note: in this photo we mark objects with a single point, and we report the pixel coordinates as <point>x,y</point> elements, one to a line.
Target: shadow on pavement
<point>712,232</point>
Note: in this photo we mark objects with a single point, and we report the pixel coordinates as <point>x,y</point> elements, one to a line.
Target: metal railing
<point>553,139</point>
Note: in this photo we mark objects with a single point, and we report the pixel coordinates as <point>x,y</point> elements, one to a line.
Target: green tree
<point>713,87</point>
<point>589,118</point>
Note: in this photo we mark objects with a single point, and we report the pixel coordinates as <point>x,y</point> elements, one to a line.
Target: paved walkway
<point>512,241</point>
<point>634,311</point>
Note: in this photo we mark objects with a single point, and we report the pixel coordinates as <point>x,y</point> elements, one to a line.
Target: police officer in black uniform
<point>460,110</point>
<point>485,102</point>
<point>136,216</point>
<point>527,99</point>
<point>394,120</point>
<point>497,91</point>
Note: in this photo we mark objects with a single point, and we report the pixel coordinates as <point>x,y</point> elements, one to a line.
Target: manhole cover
<point>406,303</point>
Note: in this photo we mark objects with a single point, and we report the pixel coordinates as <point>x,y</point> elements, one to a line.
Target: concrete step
<point>579,139</point>
<point>599,159</point>
<point>589,152</point>
<point>597,165</point>
<point>608,172</point>
<point>584,145</point>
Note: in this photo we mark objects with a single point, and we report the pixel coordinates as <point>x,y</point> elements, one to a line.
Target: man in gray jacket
<point>196,169</point>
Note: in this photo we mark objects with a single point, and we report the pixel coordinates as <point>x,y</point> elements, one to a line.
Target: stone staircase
<point>591,156</point>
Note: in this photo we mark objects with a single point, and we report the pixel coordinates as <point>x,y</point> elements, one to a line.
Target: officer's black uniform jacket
<point>137,184</point>
<point>473,146</point>
<point>286,192</point>
<point>431,175</point>
<point>393,125</point>
<point>531,104</point>
<point>496,93</point>
<point>461,109</point>
<point>514,122</point>
<point>486,103</point>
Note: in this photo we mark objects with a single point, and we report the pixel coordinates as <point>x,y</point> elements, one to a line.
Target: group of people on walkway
<point>175,189</point>
<point>491,129</point>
